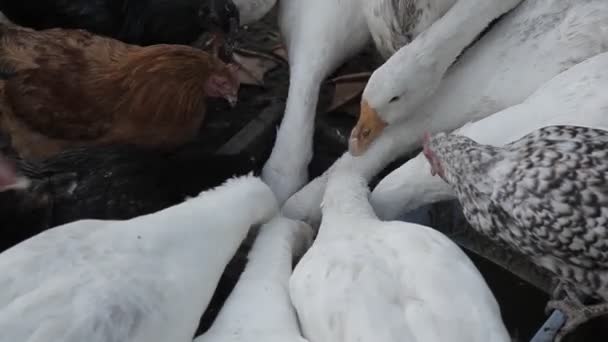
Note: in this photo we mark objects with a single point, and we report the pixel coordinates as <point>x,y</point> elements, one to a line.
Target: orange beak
<point>368,128</point>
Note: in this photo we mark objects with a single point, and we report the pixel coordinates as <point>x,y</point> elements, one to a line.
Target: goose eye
<point>393,99</point>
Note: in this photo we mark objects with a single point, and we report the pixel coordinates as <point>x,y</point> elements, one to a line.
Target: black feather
<point>141,22</point>
<point>117,182</point>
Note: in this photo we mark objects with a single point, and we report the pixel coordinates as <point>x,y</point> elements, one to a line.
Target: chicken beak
<point>368,128</point>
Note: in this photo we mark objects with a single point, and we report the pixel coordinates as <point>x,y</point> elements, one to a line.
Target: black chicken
<point>140,22</point>
<point>109,183</point>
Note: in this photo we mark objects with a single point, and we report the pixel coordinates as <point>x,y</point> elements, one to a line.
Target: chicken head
<point>224,83</point>
<point>436,168</point>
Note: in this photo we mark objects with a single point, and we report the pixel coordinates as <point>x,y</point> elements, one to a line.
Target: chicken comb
<point>426,138</point>
<point>8,175</point>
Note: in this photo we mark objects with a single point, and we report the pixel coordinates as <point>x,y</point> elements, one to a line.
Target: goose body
<point>367,280</point>
<point>141,280</point>
<point>574,97</point>
<point>527,47</point>
<point>259,308</point>
<point>321,34</point>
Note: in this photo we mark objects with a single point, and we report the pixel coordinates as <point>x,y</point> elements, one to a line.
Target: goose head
<point>393,93</point>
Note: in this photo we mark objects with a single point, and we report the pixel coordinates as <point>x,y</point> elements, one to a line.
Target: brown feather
<point>72,88</point>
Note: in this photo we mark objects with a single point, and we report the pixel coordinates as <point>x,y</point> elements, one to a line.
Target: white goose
<point>574,97</point>
<point>526,48</point>
<point>321,34</point>
<point>407,79</point>
<point>251,11</point>
<point>142,280</point>
<point>259,307</point>
<point>372,281</point>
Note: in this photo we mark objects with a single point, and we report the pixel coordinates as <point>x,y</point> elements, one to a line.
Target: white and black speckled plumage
<point>545,195</point>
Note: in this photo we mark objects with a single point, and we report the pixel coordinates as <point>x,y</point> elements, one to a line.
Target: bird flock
<point>118,223</point>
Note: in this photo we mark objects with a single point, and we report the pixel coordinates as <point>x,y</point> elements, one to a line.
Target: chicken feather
<point>66,88</point>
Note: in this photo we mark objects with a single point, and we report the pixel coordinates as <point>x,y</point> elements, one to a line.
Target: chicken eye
<point>366,132</point>
<point>393,99</point>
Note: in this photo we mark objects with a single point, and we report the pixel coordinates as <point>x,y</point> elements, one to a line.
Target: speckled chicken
<point>545,195</point>
<point>68,88</point>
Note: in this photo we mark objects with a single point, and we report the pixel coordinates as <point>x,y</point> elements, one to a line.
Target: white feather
<point>141,280</point>
<point>532,44</point>
<point>372,281</point>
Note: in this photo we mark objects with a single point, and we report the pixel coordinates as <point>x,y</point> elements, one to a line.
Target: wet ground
<point>255,118</point>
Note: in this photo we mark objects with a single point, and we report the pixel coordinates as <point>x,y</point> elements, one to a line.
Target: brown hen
<point>65,88</point>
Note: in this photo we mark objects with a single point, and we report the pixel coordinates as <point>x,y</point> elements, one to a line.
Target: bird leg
<point>573,308</point>
<point>576,315</point>
<point>347,88</point>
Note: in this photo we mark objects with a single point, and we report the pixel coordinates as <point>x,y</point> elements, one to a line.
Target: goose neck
<point>223,215</point>
<point>264,283</point>
<point>458,27</point>
<point>347,194</point>
<point>303,96</point>
<point>397,140</point>
<point>408,188</point>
